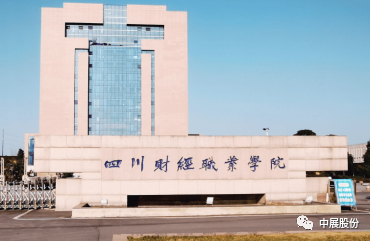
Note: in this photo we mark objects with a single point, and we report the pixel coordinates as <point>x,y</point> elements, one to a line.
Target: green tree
<point>350,171</point>
<point>305,132</point>
<point>366,159</point>
<point>19,166</point>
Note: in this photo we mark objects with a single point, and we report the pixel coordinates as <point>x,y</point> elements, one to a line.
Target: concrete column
<point>146,94</point>
<point>83,89</point>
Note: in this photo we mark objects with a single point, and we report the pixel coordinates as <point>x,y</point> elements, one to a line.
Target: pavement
<point>362,188</point>
<point>52,225</point>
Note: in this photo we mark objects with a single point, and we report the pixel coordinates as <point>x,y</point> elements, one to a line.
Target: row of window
<point>91,65</point>
<point>90,27</point>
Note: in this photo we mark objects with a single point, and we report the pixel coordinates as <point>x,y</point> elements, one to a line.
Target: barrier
<point>37,194</point>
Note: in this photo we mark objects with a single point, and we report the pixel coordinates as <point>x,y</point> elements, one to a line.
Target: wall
<point>317,188</point>
<point>57,59</point>
<point>171,66</point>
<point>88,154</point>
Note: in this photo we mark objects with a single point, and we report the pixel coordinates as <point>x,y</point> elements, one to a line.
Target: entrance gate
<point>37,194</point>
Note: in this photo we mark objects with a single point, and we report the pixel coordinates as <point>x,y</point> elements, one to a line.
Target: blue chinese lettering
<point>160,164</point>
<point>112,164</point>
<point>253,162</point>
<point>276,163</point>
<point>208,164</point>
<point>232,163</point>
<point>138,162</point>
<point>185,163</point>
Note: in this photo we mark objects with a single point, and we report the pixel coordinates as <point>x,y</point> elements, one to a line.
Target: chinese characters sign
<point>208,164</point>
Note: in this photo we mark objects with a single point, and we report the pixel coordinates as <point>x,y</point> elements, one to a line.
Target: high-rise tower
<point>113,70</point>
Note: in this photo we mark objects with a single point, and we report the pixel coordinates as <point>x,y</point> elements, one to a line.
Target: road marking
<point>22,214</point>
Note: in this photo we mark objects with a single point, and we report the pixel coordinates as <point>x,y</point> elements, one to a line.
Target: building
<point>113,107</point>
<point>357,151</point>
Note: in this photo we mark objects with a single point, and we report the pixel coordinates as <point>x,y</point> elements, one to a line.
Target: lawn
<point>351,236</point>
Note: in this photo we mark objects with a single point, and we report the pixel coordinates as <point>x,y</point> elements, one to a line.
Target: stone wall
<point>89,154</point>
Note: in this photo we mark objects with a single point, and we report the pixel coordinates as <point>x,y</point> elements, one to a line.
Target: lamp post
<point>266,130</point>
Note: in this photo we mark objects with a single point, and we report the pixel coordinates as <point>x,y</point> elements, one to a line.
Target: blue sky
<point>283,64</point>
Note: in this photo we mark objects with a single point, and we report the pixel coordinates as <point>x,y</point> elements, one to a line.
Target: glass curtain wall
<point>115,72</point>
<point>31,150</point>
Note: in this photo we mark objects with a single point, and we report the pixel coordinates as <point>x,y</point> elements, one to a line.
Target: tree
<point>20,155</point>
<point>14,167</point>
<point>305,132</point>
<point>19,165</point>
<point>366,163</point>
<point>350,171</point>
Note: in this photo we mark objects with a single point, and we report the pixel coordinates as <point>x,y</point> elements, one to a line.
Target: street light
<point>266,130</point>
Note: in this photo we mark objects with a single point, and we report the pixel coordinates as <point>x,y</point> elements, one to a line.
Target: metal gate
<point>36,194</point>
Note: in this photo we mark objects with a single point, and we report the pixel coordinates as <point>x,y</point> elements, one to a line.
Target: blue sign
<point>344,190</point>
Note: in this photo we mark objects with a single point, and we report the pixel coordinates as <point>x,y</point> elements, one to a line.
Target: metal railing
<point>37,194</point>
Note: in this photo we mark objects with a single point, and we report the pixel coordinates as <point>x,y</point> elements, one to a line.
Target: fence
<point>36,194</point>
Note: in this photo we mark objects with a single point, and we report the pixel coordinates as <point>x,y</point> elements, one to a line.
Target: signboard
<point>344,190</point>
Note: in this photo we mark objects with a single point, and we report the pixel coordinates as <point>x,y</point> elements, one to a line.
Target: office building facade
<point>114,108</point>
<point>113,70</point>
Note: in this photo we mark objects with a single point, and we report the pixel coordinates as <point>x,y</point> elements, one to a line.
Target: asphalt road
<point>51,225</point>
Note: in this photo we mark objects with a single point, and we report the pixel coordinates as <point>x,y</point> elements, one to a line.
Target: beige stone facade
<point>57,64</point>
<point>88,155</point>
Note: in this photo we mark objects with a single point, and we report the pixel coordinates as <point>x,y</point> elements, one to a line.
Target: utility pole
<point>2,149</point>
<point>2,177</point>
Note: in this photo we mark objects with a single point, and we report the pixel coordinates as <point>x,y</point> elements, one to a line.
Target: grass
<point>329,236</point>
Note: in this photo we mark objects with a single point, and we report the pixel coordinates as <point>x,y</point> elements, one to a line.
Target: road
<point>51,225</point>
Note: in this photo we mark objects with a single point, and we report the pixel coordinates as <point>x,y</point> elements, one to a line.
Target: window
<point>89,128</point>
<point>90,53</point>
<point>148,29</point>
<point>81,27</point>
<point>135,41</point>
<point>90,116</point>
<point>90,65</point>
<point>90,27</point>
<point>76,102</point>
<point>139,66</point>
<point>90,103</point>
